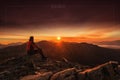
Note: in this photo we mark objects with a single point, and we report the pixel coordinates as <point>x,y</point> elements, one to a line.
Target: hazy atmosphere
<point>77,21</point>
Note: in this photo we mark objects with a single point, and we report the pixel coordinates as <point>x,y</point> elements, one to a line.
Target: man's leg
<point>32,61</point>
<point>29,61</point>
<point>41,53</point>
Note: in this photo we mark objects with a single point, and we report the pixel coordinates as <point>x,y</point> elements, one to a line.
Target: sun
<point>58,38</point>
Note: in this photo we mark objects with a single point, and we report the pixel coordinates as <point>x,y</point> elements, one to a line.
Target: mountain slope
<point>116,42</point>
<point>83,53</point>
<point>2,46</point>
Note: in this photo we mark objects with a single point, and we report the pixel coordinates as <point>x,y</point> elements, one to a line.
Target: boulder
<point>67,74</point>
<point>81,76</point>
<point>107,71</point>
<point>45,76</point>
<point>40,76</point>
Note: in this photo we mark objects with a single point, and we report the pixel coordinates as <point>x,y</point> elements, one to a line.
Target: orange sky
<point>69,34</point>
<point>74,21</point>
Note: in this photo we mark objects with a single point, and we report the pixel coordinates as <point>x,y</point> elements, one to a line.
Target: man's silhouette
<point>32,48</point>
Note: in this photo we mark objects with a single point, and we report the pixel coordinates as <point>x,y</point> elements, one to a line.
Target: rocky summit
<point>19,69</point>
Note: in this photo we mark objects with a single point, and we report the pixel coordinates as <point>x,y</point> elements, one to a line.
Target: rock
<point>16,68</point>
<point>118,69</point>
<point>5,75</point>
<point>95,74</point>
<point>81,76</point>
<point>45,76</point>
<point>107,71</point>
<point>68,74</point>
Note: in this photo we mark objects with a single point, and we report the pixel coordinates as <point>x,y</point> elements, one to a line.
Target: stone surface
<point>68,74</point>
<point>19,69</point>
<point>38,76</point>
<point>107,71</point>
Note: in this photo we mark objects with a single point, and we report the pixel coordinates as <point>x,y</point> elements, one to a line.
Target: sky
<point>73,20</point>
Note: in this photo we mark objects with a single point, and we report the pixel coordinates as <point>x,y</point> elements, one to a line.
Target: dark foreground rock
<point>107,71</point>
<point>68,74</point>
<point>18,69</point>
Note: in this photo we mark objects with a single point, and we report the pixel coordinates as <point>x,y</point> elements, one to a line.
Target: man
<point>33,49</point>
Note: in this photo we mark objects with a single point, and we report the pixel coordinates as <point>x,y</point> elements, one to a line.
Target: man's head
<point>31,38</point>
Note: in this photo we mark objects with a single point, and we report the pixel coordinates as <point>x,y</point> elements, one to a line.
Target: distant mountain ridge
<point>14,44</point>
<point>84,53</point>
<point>11,44</point>
<point>115,42</point>
<point>2,46</point>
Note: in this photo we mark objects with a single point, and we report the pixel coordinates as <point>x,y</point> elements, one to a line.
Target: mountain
<point>83,53</point>
<point>2,46</point>
<point>12,51</point>
<point>116,42</point>
<point>66,61</point>
<point>11,44</point>
<point>109,44</point>
<point>15,44</point>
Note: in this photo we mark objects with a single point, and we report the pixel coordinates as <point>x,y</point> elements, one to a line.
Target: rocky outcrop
<point>45,76</point>
<point>18,69</point>
<point>39,76</point>
<point>68,74</point>
<point>107,71</point>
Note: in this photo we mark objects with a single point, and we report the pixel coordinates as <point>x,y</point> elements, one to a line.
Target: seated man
<point>32,49</point>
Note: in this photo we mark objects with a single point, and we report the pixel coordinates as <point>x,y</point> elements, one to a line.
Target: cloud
<point>15,12</point>
<point>8,23</point>
<point>80,20</point>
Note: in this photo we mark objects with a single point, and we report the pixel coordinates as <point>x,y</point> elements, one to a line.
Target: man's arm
<point>35,46</point>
